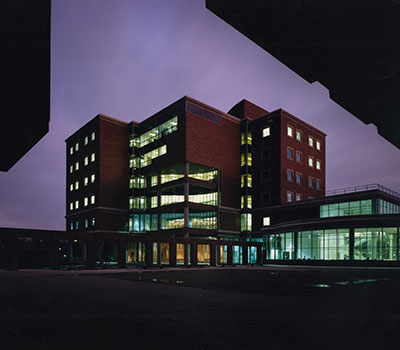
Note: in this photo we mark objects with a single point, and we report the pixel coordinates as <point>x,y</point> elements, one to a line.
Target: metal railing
<point>362,188</point>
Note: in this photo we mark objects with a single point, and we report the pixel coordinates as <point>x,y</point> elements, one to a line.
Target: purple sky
<point>130,58</point>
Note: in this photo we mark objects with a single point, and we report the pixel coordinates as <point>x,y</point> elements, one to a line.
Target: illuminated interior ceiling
<point>350,47</point>
<point>24,77</point>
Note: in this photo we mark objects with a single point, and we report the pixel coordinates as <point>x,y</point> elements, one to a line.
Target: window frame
<point>311,144</point>
<point>290,171</point>
<point>289,127</point>
<point>301,177</point>
<point>312,182</point>
<point>312,161</point>
<point>287,152</point>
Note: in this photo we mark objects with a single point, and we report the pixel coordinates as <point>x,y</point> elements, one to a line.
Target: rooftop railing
<point>362,188</point>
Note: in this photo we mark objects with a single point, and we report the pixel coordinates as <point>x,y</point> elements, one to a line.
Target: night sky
<point>131,58</point>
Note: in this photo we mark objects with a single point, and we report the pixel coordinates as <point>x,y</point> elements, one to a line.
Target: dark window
<point>266,197</point>
<point>290,153</point>
<point>318,184</point>
<point>310,182</point>
<point>290,175</point>
<point>298,156</point>
<point>266,175</point>
<point>298,178</point>
<point>266,153</point>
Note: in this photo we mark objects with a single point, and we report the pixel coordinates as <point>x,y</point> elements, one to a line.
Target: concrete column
<point>149,253</point>
<point>351,244</point>
<point>172,254</point>
<point>229,255</point>
<point>193,253</point>
<point>158,253</point>
<point>213,260</point>
<point>186,253</point>
<point>122,254</point>
<point>91,254</point>
<point>245,254</point>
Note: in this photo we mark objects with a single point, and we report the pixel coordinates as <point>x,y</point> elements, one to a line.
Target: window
<point>154,202</point>
<point>290,196</point>
<point>310,141</point>
<point>311,161</point>
<point>77,166</point>
<point>86,223</point>
<point>77,146</point>
<point>71,150</point>
<point>266,198</point>
<point>86,162</point>
<point>154,180</point>
<point>299,156</point>
<point>266,221</point>
<point>92,199</point>
<point>266,132</point>
<point>245,160</point>
<point>71,206</point>
<point>298,135</point>
<point>92,178</point>
<point>71,169</point>
<point>266,153</point>
<point>71,187</point>
<point>318,145</point>
<point>86,140</point>
<point>85,181</point>
<point>92,157</point>
<point>86,201</point>
<point>290,131</point>
<point>318,184</point>
<point>245,180</point>
<point>290,175</point>
<point>266,175</point>
<point>298,178</point>
<point>71,226</point>
<point>93,136</point>
<point>245,138</point>
<point>310,182</point>
<point>318,164</point>
<point>76,225</point>
<point>246,202</point>
<point>298,197</point>
<point>290,153</point>
<point>76,204</point>
<point>249,180</point>
<point>93,221</point>
<point>245,222</point>
<point>76,185</point>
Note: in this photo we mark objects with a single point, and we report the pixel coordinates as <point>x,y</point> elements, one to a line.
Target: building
<point>192,184</point>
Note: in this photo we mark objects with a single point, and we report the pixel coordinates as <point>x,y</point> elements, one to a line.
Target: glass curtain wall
<point>203,254</point>
<point>377,243</point>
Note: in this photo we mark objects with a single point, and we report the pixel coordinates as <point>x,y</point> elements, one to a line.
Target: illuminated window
<point>71,206</point>
<point>71,169</point>
<point>310,141</point>
<point>204,198</point>
<point>167,199</point>
<point>249,180</point>
<point>290,175</point>
<point>86,140</point>
<point>154,180</point>
<point>242,159</point>
<point>71,150</point>
<point>77,166</point>
<point>93,221</point>
<point>266,221</point>
<point>298,156</point>
<point>310,182</point>
<point>298,197</point>
<point>266,132</point>
<point>298,178</point>
<point>318,165</point>
<point>76,204</point>
<point>290,131</point>
<point>154,202</point>
<point>71,226</point>
<point>93,136</point>
<point>92,178</point>
<point>85,181</point>
<point>318,145</point>
<point>246,202</point>
<point>290,196</point>
<point>92,157</point>
<point>310,161</point>
<point>171,177</point>
<point>245,139</point>
<point>92,199</point>
<point>77,146</point>
<point>86,223</point>
<point>86,201</point>
<point>298,135</point>
<point>249,159</point>
<point>156,133</point>
<point>71,187</point>
<point>139,182</point>
<point>245,222</point>
<point>146,159</point>
<point>290,153</point>
<point>76,185</point>
<point>243,182</point>
<point>76,225</point>
<point>86,162</point>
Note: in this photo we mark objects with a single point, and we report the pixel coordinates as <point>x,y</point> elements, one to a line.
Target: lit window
<point>298,197</point>
<point>310,161</point>
<point>86,201</point>
<point>86,140</point>
<point>266,132</point>
<point>86,223</point>
<point>93,221</point>
<point>245,138</point>
<point>289,196</point>
<point>249,180</point>
<point>298,178</point>
<point>71,169</point>
<point>92,199</point>
<point>86,161</point>
<point>71,187</point>
<point>310,182</point>
<point>77,166</point>
<point>298,135</point>
<point>76,204</point>
<point>245,222</point>
<point>92,178</point>
<point>92,157</point>
<point>76,146</point>
<point>154,202</point>
<point>154,180</point>
<point>290,131</point>
<point>71,150</point>
<point>77,185</point>
<point>318,145</point>
<point>290,175</point>
<point>71,226</point>
<point>249,159</point>
<point>244,160</point>
<point>76,225</point>
<point>86,181</point>
<point>318,184</point>
<point>93,136</point>
<point>243,182</point>
<point>298,156</point>
<point>266,221</point>
<point>318,165</point>
<point>71,206</point>
<point>290,153</point>
<point>310,141</point>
